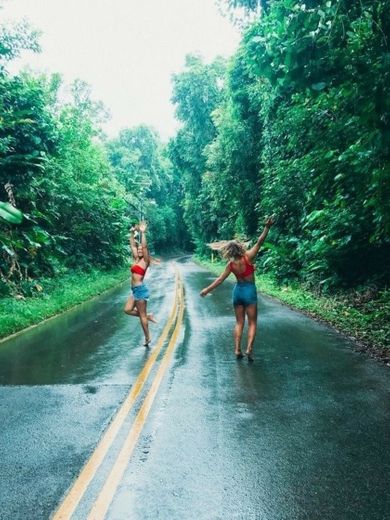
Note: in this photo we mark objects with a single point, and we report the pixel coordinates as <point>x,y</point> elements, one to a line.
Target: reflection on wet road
<point>92,343</point>
<point>300,434</point>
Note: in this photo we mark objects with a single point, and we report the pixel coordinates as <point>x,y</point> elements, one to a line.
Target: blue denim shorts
<point>244,293</point>
<point>140,292</point>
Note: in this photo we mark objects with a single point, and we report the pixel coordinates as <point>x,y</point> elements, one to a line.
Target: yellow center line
<point>107,493</point>
<point>76,492</point>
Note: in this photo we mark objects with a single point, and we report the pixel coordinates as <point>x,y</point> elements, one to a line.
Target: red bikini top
<point>249,269</point>
<point>137,269</point>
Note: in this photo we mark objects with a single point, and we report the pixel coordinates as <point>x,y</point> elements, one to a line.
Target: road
<point>96,426</point>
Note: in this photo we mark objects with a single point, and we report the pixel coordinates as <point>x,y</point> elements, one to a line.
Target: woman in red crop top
<point>244,291</point>
<point>136,305</point>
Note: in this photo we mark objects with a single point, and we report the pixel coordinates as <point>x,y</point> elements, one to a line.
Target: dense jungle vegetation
<point>78,192</point>
<point>296,123</point>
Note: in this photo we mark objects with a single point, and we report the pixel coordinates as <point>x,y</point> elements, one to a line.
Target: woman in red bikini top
<point>136,305</point>
<point>242,268</point>
<point>244,292</point>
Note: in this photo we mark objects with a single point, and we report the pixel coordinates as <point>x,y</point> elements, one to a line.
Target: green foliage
<point>196,92</point>
<point>140,163</point>
<point>88,210</point>
<point>10,214</point>
<point>302,130</point>
<point>296,123</point>
<point>54,169</point>
<point>76,193</point>
<point>243,12</point>
<point>231,185</point>
<point>135,158</point>
<point>54,295</point>
<point>15,39</point>
<point>326,149</point>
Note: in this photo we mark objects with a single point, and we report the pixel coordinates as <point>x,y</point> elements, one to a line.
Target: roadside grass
<point>58,295</point>
<point>364,320</point>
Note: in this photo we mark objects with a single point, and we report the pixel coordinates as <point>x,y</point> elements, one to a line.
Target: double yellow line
<point>103,501</point>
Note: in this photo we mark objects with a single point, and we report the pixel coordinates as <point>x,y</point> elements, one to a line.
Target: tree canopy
<point>301,128</point>
<point>69,195</point>
<point>295,123</point>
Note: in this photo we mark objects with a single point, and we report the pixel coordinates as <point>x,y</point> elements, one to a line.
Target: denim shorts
<point>244,293</point>
<point>140,292</point>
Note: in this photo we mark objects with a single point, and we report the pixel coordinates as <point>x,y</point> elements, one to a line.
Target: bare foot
<point>249,355</point>
<point>152,318</point>
<point>147,342</point>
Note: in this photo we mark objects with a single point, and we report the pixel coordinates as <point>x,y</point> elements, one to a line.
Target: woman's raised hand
<point>269,221</point>
<point>142,227</point>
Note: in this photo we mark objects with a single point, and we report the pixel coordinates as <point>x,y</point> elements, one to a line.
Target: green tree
<point>197,92</point>
<point>324,87</point>
<point>56,171</point>
<point>301,129</point>
<point>141,165</point>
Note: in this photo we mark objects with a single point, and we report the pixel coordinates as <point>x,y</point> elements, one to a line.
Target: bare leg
<point>131,310</point>
<point>251,312</point>
<point>141,306</point>
<point>130,307</point>
<point>238,328</point>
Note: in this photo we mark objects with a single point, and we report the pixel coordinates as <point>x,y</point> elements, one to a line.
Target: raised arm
<point>145,251</point>
<point>251,253</point>
<point>216,282</point>
<point>133,245</point>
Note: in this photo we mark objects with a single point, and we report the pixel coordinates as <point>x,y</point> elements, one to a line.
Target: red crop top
<point>249,269</point>
<point>137,269</point>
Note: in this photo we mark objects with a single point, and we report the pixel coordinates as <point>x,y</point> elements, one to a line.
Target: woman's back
<point>242,268</point>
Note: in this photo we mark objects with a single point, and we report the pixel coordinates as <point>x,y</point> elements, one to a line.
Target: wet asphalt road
<point>302,433</point>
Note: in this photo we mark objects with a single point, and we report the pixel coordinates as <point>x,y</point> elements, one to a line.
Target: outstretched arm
<point>145,251</point>
<point>216,282</point>
<point>133,245</point>
<point>251,253</point>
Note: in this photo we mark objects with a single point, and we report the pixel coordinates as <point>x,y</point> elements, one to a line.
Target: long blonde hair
<point>229,249</point>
